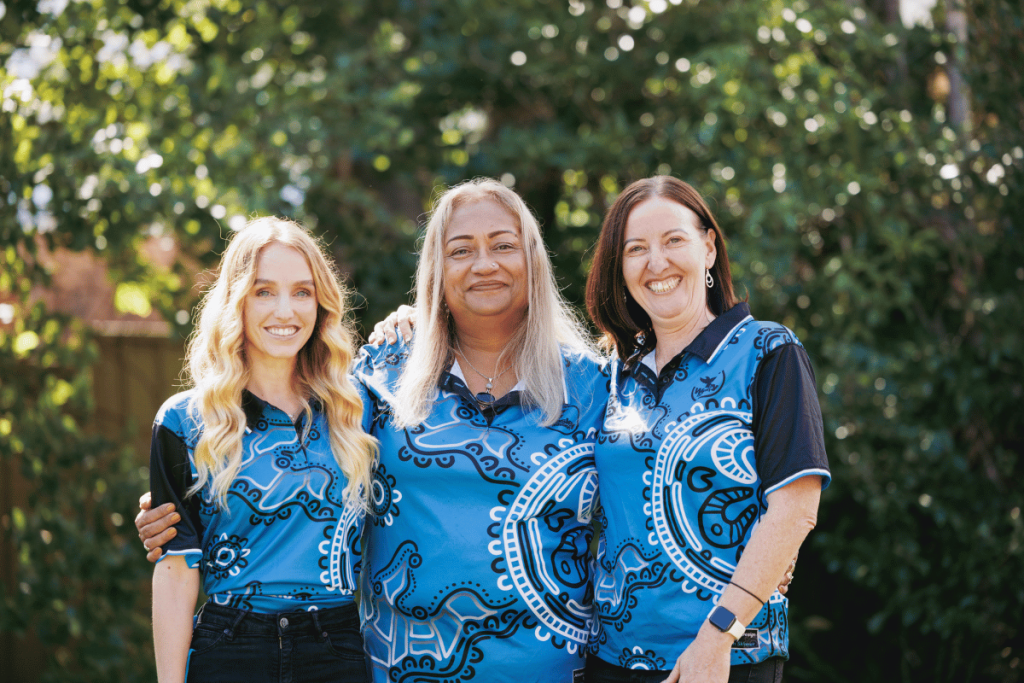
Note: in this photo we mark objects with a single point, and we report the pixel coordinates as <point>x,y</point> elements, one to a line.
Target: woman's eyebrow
<point>489,235</point>
<point>300,283</point>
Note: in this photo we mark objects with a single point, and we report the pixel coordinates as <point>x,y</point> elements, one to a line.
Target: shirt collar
<point>253,407</point>
<point>708,343</point>
<point>456,371</point>
<point>713,337</point>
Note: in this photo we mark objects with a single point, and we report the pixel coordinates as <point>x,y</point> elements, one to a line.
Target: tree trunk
<point>959,105</point>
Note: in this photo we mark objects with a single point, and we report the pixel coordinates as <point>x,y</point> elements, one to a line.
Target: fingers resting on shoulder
<point>404,319</point>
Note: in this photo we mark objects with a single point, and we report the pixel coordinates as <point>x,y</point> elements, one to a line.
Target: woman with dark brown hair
<point>711,459</point>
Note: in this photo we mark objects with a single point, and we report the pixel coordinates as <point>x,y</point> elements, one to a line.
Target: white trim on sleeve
<point>825,475</point>
<point>187,554</point>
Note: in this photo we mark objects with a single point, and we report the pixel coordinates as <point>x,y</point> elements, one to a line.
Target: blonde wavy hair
<point>217,368</point>
<point>536,347</point>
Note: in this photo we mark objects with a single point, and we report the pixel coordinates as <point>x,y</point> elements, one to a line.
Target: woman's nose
<point>484,263</point>
<point>656,260</point>
<point>284,306</point>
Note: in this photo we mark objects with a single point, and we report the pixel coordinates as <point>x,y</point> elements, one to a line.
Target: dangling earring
<point>708,280</point>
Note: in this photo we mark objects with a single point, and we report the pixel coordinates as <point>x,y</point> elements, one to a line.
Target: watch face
<point>721,618</point>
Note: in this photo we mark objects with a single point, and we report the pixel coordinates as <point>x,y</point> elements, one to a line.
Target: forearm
<point>792,513</point>
<point>175,588</point>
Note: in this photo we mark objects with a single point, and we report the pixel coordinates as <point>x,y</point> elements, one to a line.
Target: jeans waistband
<point>244,622</point>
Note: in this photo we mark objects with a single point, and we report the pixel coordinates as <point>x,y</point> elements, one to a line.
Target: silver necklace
<point>484,396</point>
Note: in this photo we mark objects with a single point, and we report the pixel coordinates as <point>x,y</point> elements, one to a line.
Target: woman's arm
<point>175,589</point>
<point>792,513</point>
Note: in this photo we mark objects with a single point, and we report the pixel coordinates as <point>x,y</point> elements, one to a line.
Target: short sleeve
<point>170,476</point>
<point>788,433</point>
<point>368,404</point>
<point>379,369</point>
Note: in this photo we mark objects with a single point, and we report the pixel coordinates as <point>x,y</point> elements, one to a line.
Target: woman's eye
<point>303,293</point>
<point>263,293</point>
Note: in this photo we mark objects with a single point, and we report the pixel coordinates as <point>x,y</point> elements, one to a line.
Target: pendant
<point>485,397</point>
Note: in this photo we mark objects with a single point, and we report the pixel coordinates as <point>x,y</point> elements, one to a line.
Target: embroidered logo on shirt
<point>709,386</point>
<point>748,641</point>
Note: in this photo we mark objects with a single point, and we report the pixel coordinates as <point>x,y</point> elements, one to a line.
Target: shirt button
<point>283,623</point>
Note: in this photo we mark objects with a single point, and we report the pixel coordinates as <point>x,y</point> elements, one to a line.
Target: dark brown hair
<point>611,306</point>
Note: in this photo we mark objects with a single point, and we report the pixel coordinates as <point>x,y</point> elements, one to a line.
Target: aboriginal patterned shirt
<point>476,563</point>
<point>686,459</point>
<point>285,542</point>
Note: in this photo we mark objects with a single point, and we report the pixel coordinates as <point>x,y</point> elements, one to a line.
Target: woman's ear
<point>709,242</point>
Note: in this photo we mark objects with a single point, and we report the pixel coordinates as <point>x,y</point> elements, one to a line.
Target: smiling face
<point>664,257</point>
<point>484,264</point>
<point>281,308</point>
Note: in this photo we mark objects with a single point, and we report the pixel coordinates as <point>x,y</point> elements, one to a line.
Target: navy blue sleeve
<point>789,440</point>
<point>170,477</point>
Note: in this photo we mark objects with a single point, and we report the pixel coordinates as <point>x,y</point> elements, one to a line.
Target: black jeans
<point>237,646</point>
<point>600,671</point>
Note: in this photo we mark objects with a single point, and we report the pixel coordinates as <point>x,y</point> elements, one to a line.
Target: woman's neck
<point>275,384</point>
<point>674,337</point>
<point>484,359</point>
<point>486,333</point>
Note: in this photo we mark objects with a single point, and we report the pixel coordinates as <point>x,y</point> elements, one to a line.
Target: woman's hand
<point>404,319</point>
<point>706,660</point>
<point>787,577</point>
<point>156,527</point>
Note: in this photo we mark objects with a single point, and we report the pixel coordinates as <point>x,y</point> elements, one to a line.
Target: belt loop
<point>321,634</point>
<point>230,631</point>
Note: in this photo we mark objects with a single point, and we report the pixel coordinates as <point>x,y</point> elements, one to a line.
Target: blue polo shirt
<point>476,563</point>
<point>686,459</point>
<point>285,542</point>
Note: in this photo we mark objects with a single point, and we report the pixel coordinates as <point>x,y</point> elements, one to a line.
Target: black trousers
<point>600,671</point>
<point>235,646</point>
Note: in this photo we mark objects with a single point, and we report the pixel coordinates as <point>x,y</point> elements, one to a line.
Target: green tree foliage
<point>885,236</point>
<point>77,588</point>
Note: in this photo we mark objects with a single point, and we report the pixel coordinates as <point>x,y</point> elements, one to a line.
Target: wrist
<point>710,638</point>
<point>724,621</point>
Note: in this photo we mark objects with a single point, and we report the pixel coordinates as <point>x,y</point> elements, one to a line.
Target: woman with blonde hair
<point>267,460</point>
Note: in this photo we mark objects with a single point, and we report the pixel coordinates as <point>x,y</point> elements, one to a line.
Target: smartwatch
<point>726,622</point>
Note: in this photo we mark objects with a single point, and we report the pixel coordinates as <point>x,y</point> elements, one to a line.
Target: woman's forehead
<point>481,216</point>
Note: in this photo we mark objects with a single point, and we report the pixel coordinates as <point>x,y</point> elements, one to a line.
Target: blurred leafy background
<point>864,158</point>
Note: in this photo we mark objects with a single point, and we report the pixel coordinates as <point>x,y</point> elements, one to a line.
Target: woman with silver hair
<point>475,560</point>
